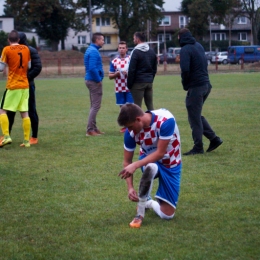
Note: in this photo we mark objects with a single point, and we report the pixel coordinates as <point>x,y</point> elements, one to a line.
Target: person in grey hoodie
<point>195,80</point>
<point>141,72</point>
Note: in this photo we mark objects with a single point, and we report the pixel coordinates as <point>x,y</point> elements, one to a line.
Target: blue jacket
<point>93,64</point>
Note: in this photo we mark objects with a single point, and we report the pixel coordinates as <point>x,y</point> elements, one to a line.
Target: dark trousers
<point>31,111</point>
<point>199,125</point>
<point>142,91</point>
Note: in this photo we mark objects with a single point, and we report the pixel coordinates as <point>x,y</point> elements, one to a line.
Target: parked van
<point>237,54</point>
<point>174,51</point>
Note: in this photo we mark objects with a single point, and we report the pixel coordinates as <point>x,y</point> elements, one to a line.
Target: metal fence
<point>75,68</point>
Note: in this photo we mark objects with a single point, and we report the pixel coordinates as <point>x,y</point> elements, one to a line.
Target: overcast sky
<point>2,7</point>
<point>170,5</point>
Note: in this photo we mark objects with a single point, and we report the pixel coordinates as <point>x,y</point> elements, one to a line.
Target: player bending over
<point>158,135</point>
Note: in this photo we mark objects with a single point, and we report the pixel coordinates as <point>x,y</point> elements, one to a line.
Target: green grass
<point>62,199</point>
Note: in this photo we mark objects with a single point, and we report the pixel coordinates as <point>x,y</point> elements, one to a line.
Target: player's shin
<point>145,187</point>
<point>26,128</point>
<point>4,124</point>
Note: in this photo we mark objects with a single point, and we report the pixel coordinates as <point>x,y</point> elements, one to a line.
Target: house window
<point>182,21</point>
<point>241,20</point>
<point>105,21</point>
<point>242,36</point>
<point>1,25</point>
<point>102,21</point>
<point>81,39</point>
<point>218,37</point>
<point>166,20</point>
<point>107,39</point>
<point>161,37</point>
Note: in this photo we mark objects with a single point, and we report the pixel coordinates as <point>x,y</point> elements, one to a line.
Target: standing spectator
<point>33,72</point>
<point>16,95</point>
<point>195,80</point>
<point>141,72</point>
<point>118,71</point>
<point>158,135</point>
<point>93,79</point>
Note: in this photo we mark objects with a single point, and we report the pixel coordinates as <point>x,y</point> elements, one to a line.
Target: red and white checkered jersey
<point>164,127</point>
<point>120,64</point>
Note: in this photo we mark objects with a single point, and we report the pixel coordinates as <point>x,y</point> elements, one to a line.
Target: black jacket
<point>36,65</point>
<point>193,62</point>
<point>142,67</point>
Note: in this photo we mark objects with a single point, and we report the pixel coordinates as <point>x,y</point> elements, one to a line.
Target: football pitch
<point>62,198</point>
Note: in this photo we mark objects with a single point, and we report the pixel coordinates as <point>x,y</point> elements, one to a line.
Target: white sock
<point>154,171</point>
<point>152,204</point>
<point>141,207</point>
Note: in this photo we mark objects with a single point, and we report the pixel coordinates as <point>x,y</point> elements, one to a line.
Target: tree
<point>3,40</point>
<point>251,9</point>
<point>199,11</point>
<point>50,18</point>
<point>130,15</point>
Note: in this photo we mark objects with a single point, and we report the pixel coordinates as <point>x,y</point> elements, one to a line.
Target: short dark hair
<point>183,31</point>
<point>128,114</point>
<point>140,35</point>
<point>13,36</point>
<point>96,36</point>
<point>122,42</point>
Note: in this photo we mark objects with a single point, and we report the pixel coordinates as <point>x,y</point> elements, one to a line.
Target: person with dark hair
<point>195,80</point>
<point>118,71</point>
<point>158,135</point>
<point>93,79</point>
<point>33,72</point>
<point>16,95</point>
<point>141,71</point>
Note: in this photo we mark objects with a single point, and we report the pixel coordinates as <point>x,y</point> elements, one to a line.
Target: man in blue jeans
<point>195,80</point>
<point>93,79</point>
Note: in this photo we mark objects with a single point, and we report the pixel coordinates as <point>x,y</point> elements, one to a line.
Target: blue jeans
<point>199,125</point>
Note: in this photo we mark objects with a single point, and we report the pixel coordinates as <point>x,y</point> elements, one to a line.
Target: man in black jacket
<point>195,80</point>
<point>141,72</point>
<point>33,72</point>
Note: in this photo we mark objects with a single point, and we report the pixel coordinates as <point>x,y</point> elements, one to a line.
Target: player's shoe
<point>6,140</point>
<point>99,132</point>
<point>1,138</point>
<point>25,144</point>
<point>33,140</point>
<point>136,222</point>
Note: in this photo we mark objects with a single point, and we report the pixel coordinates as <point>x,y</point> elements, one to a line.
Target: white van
<point>174,51</point>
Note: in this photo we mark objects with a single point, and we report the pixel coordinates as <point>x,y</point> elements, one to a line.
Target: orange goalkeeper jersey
<point>16,57</point>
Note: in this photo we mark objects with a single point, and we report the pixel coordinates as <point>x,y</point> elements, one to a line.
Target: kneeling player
<point>158,135</point>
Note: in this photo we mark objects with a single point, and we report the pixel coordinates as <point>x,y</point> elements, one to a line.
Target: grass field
<point>62,199</point>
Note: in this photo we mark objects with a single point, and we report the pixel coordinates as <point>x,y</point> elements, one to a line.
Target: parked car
<point>209,55</point>
<point>220,57</point>
<point>174,51</point>
<point>112,55</point>
<point>168,57</point>
<point>239,54</point>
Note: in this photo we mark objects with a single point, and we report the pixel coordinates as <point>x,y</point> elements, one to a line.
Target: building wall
<point>6,24</point>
